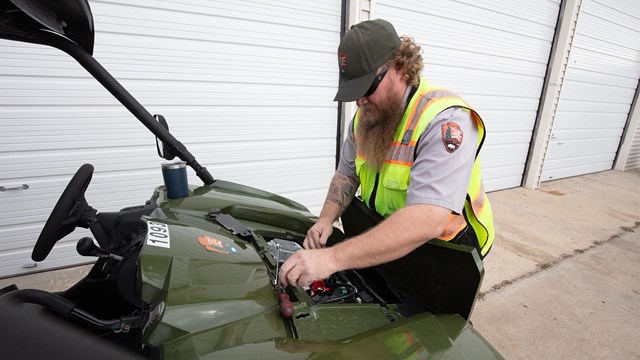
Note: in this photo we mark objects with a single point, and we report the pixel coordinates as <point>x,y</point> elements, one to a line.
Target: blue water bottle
<point>175,179</point>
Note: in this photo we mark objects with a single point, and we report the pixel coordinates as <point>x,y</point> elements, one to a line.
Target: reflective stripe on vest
<point>394,177</point>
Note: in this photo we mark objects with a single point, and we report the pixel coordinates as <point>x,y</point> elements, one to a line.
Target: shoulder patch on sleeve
<point>451,136</point>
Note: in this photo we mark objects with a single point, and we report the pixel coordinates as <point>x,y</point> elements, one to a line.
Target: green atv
<point>192,273</point>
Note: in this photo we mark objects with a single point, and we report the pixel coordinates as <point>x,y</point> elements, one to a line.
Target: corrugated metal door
<point>495,56</point>
<point>246,85</point>
<point>599,86</point>
<point>633,159</point>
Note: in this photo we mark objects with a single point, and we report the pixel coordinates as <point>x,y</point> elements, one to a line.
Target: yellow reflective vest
<point>390,185</point>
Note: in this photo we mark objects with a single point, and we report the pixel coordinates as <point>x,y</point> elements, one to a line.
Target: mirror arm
<point>119,92</point>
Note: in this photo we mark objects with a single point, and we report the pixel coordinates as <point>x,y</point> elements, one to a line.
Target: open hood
<point>24,20</point>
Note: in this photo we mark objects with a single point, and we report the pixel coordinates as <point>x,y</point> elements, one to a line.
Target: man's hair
<point>408,59</point>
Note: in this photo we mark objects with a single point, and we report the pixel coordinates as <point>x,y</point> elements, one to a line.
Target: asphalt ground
<point>562,280</point>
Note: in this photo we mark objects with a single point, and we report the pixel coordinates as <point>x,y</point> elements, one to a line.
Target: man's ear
<point>399,73</point>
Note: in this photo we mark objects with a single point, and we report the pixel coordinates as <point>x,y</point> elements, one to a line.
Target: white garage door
<point>246,85</point>
<point>633,159</point>
<point>495,56</point>
<point>599,86</point>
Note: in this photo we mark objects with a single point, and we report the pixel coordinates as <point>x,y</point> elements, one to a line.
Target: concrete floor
<point>584,307</point>
<point>562,280</point>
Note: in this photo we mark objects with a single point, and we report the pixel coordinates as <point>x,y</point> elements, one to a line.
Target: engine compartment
<point>362,286</point>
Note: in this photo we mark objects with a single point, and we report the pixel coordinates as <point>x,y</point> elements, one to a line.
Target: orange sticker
<point>213,244</point>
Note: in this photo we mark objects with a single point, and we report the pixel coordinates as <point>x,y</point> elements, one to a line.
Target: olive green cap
<point>363,49</point>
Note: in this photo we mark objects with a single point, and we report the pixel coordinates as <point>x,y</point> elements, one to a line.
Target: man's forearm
<point>341,192</point>
<point>393,238</point>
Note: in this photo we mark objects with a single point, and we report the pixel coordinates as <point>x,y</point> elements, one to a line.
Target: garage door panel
<point>500,153</point>
<point>216,97</point>
<point>580,106</point>
<point>145,85</point>
<point>483,102</point>
<point>23,211</point>
<point>564,172</point>
<point>58,67</point>
<point>612,53</point>
<point>533,11</point>
<point>485,61</point>
<point>580,161</point>
<point>25,143</point>
<point>259,11</point>
<point>511,138</point>
<point>443,16</point>
<point>611,20</point>
<point>577,148</point>
<point>64,254</point>
<point>293,150</point>
<point>610,50</point>
<point>212,22</point>
<point>496,171</point>
<point>284,173</point>
<point>509,120</point>
<point>285,179</point>
<point>495,180</point>
<point>588,120</point>
<point>586,89</point>
<point>138,185</point>
<point>196,125</point>
<point>265,73</point>
<point>182,53</point>
<point>24,52</point>
<point>461,78</point>
<point>16,235</point>
<point>610,80</point>
<point>633,160</point>
<point>19,236</point>
<point>49,166</point>
<point>603,134</point>
<point>583,60</point>
<point>501,166</point>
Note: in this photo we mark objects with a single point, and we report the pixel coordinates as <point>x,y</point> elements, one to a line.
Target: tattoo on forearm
<point>342,190</point>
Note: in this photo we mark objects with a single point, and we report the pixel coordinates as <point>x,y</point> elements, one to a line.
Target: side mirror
<point>164,152</point>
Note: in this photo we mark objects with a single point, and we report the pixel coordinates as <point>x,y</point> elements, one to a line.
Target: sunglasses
<point>376,82</point>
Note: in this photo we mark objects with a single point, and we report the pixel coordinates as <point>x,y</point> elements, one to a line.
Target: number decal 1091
<point>158,234</point>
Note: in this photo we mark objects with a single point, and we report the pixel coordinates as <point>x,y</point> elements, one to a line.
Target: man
<point>412,148</point>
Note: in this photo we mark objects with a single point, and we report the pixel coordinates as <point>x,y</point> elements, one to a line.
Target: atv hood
<point>211,294</point>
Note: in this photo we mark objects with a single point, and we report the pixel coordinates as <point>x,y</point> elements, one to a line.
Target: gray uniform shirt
<point>438,177</point>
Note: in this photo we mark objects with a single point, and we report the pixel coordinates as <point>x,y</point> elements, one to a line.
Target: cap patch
<point>451,136</point>
<point>342,61</point>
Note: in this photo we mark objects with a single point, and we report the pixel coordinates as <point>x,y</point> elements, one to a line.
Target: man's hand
<point>318,234</point>
<point>306,266</point>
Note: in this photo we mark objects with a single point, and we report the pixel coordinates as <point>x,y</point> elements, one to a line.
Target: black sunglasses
<point>376,82</point>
